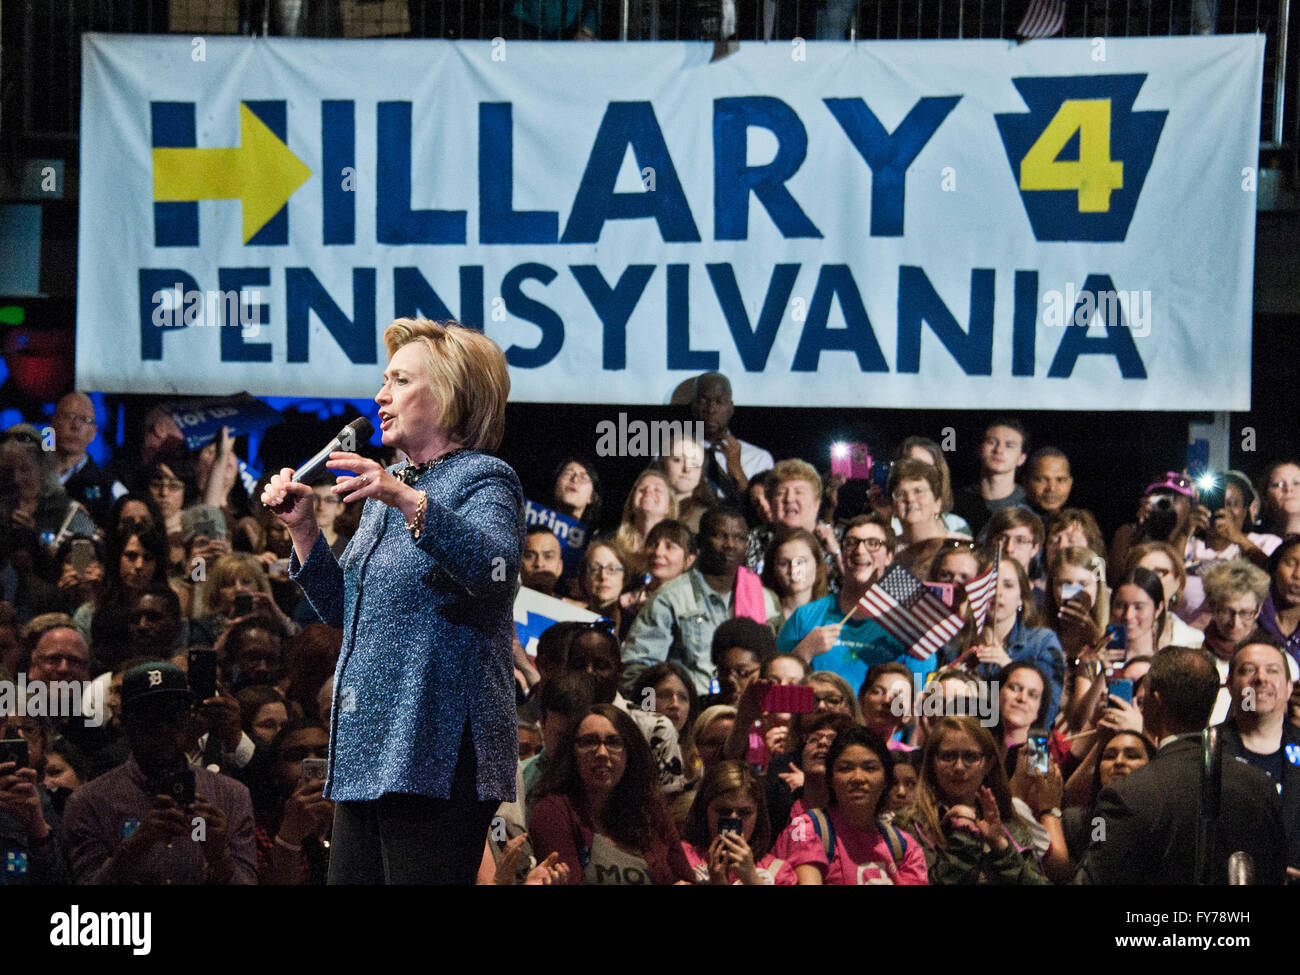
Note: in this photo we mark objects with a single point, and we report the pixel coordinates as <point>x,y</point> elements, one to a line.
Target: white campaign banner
<point>1061,224</point>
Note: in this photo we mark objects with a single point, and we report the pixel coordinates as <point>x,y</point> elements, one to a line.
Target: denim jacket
<point>427,636</point>
<point>1041,646</point>
<point>677,624</point>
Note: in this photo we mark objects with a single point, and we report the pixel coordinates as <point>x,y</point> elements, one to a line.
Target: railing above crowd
<point>51,29</point>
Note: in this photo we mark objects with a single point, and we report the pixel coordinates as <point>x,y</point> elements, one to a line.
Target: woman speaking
<point>423,744</point>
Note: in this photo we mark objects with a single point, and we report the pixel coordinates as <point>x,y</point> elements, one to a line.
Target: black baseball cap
<point>155,681</point>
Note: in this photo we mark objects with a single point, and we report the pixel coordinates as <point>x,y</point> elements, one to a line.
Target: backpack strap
<point>825,832</point>
<point>894,837</point>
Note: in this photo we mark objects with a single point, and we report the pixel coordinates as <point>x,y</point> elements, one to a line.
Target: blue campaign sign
<point>535,612</point>
<point>774,218</point>
<point>202,419</point>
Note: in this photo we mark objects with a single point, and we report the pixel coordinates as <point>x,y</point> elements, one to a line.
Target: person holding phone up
<point>156,819</point>
<point>728,837</point>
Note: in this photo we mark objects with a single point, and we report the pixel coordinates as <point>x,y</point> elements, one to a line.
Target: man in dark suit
<point>1257,730</point>
<point>1151,816</point>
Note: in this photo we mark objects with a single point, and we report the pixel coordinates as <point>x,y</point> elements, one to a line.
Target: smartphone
<point>244,604</point>
<point>1122,688</point>
<point>179,787</point>
<point>1116,637</point>
<point>880,474</point>
<point>314,768</point>
<point>1212,495</point>
<point>81,553</point>
<point>1038,753</point>
<point>1070,589</point>
<point>852,460</point>
<point>729,824</point>
<point>203,674</point>
<point>203,519</point>
<point>943,591</point>
<point>788,699</point>
<point>15,750</point>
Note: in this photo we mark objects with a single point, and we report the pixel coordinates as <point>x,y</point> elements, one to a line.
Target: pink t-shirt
<point>781,875</point>
<point>860,857</point>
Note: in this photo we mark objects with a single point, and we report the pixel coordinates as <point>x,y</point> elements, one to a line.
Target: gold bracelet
<point>416,525</point>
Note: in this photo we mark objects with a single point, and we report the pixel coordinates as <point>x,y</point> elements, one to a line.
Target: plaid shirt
<point>106,810</point>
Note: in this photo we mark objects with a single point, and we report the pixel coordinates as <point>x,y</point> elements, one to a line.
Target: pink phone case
<point>789,699</point>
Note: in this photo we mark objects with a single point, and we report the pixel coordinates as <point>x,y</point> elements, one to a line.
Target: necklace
<point>413,472</point>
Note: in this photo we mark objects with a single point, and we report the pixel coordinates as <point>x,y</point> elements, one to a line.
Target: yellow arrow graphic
<point>261,172</point>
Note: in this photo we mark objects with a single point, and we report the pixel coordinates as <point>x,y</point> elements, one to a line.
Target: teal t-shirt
<point>862,643</point>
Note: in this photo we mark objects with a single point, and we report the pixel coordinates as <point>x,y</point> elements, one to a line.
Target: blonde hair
<point>1233,578</point>
<point>690,751</point>
<point>925,817</point>
<point>1082,558</point>
<point>224,571</point>
<point>625,536</point>
<point>467,373</point>
<point>795,470</point>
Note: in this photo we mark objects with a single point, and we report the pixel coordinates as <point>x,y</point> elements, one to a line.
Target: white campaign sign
<point>925,224</point>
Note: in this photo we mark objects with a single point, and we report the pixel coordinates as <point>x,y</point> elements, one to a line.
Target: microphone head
<point>355,433</point>
<point>364,428</point>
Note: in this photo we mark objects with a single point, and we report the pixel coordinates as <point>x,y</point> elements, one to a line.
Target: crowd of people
<point>732,715</point>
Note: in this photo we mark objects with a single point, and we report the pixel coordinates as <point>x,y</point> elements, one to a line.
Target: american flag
<point>981,590</point>
<point>1043,19</point>
<point>903,606</point>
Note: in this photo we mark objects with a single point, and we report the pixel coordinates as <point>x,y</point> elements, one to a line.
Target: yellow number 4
<point>1095,174</point>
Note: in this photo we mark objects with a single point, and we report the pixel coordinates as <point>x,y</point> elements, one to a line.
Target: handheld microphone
<point>355,433</point>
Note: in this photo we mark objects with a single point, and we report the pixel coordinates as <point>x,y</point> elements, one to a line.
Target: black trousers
<point>408,839</point>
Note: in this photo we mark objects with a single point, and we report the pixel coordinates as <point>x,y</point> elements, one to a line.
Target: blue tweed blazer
<point>427,636</point>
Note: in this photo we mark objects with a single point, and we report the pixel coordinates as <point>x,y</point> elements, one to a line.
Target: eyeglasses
<point>319,499</point>
<point>166,484</point>
<point>738,673</point>
<point>579,475</point>
<point>1236,614</point>
<point>667,696</point>
<point>830,700</point>
<point>595,570</point>
<point>873,544</point>
<point>823,739</point>
<point>299,752</point>
<point>614,744</point>
<point>953,757</point>
<point>1011,541</point>
<point>916,494</point>
<point>54,659</point>
<point>76,419</point>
